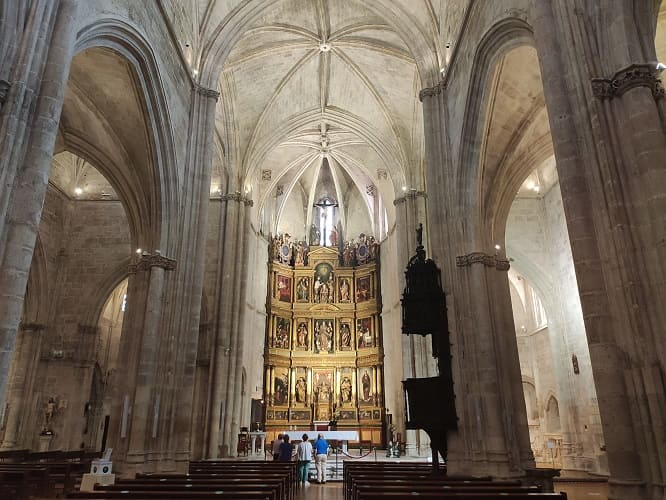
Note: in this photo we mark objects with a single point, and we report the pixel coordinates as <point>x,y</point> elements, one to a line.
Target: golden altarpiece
<point>323,353</point>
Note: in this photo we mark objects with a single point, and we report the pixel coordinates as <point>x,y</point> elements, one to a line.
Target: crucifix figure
<point>324,205</point>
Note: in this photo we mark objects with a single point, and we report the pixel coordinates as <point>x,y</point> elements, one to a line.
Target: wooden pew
<point>278,483</point>
<point>176,495</point>
<point>462,495</point>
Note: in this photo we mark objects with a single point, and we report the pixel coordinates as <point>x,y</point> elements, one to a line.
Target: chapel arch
<point>115,115</point>
<point>515,193</point>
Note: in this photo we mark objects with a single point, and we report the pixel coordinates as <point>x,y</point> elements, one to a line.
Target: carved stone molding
<point>237,196</point>
<point>206,92</point>
<point>152,260</point>
<point>482,258</point>
<point>432,91</point>
<point>4,90</point>
<point>88,329</point>
<point>412,195</point>
<point>32,327</point>
<point>636,75</point>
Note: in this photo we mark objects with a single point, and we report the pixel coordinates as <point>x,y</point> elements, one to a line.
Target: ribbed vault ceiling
<point>321,78</point>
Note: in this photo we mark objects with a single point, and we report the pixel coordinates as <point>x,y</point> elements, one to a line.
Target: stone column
<point>492,436</point>
<point>39,56</point>
<point>183,318</point>
<point>606,110</point>
<point>135,393</point>
<point>417,360</point>
<point>145,393</point>
<point>227,368</point>
<point>27,350</point>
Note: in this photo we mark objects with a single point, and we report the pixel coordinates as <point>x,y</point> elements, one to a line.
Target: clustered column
<point>37,46</point>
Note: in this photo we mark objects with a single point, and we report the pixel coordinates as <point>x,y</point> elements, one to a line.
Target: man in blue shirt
<point>321,452</point>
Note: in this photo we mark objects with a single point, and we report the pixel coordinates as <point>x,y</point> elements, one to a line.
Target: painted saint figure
<point>345,389</point>
<point>302,334</point>
<point>365,383</point>
<point>301,390</point>
<point>344,290</point>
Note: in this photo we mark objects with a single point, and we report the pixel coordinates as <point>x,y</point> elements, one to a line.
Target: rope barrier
<point>352,456</point>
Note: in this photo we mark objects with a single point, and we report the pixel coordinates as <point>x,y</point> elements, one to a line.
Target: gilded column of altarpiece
<point>323,352</point>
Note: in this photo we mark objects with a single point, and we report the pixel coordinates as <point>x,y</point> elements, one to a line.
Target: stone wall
<point>84,242</point>
<point>537,240</point>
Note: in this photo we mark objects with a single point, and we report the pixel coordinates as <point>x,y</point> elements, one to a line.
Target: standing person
<point>276,447</point>
<point>286,449</point>
<point>304,456</point>
<point>321,452</point>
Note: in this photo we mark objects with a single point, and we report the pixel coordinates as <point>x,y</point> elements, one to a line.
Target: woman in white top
<point>304,456</point>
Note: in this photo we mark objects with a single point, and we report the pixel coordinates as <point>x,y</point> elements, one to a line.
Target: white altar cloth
<point>312,435</point>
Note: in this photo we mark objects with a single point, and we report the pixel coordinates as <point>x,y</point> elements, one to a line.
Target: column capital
<point>146,261</point>
<point>482,258</point>
<point>238,197</point>
<point>411,195</point>
<point>634,75</point>
<point>32,327</point>
<point>205,91</point>
<point>432,91</point>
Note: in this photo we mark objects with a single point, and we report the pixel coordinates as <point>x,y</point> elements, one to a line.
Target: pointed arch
<point>162,196</point>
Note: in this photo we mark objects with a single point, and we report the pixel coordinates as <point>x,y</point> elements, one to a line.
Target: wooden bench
<point>277,482</point>
<point>176,495</point>
<point>462,495</point>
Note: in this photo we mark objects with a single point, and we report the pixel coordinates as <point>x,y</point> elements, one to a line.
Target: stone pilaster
<point>606,112</point>
<point>225,403</point>
<point>39,56</point>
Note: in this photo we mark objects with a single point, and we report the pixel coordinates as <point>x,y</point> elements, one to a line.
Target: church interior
<point>207,208</point>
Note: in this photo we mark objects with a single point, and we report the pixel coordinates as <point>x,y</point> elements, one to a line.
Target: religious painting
<point>345,333</point>
<point>323,287</point>
<point>300,415</point>
<point>344,290</point>
<point>365,415</point>
<point>363,289</point>
<point>303,289</point>
<point>323,336</point>
<point>282,333</point>
<point>346,387</point>
<point>376,414</point>
<point>281,386</point>
<point>347,415</point>
<point>301,386</point>
<point>364,333</point>
<point>281,415</point>
<point>284,288</point>
<point>366,385</point>
<point>270,415</point>
<point>302,337</point>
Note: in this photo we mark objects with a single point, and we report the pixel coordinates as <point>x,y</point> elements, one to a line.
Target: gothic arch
<point>161,196</point>
<point>103,290</point>
<point>500,39</point>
